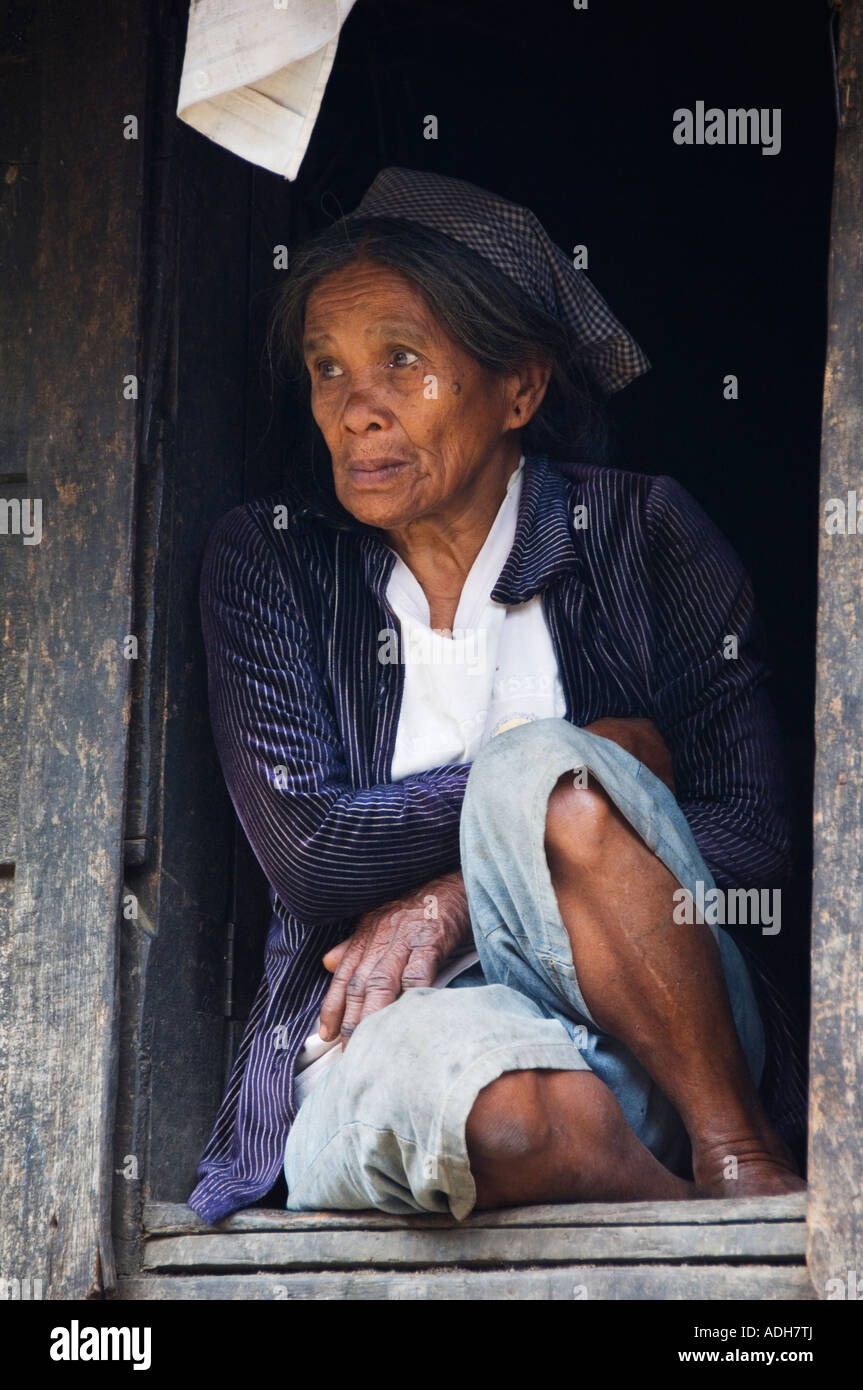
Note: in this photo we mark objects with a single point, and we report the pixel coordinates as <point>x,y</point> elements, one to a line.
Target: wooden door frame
<point>835,1170</point>
<point>84,169</point>
<point>82,460</point>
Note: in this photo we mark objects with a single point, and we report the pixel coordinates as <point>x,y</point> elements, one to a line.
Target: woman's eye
<point>328,369</point>
<point>400,354</point>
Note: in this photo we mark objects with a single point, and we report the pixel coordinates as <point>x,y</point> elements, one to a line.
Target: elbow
<point>742,847</point>
<point>778,862</point>
<point>319,880</point>
<point>309,893</point>
<point>303,859</point>
<point>752,862</point>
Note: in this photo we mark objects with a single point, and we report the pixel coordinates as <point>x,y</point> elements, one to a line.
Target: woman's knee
<point>500,796</point>
<point>581,820</point>
<point>514,1119</point>
<point>509,1120</point>
<point>502,765</point>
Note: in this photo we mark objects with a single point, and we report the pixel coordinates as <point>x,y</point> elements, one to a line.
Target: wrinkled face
<point>409,418</point>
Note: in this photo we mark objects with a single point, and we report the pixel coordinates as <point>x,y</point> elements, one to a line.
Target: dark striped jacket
<point>639,605</point>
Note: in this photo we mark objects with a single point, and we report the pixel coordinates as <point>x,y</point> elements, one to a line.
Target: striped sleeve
<point>328,849</point>
<point>709,698</point>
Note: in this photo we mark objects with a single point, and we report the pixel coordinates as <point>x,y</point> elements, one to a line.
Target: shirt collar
<point>546,544</point>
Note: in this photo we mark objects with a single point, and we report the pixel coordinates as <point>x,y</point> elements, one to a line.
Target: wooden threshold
<point>574,1283</point>
<point>751,1248</point>
<point>175,1219</point>
<point>419,1249</point>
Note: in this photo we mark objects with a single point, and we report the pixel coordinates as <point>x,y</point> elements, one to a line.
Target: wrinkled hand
<point>642,739</point>
<point>398,946</point>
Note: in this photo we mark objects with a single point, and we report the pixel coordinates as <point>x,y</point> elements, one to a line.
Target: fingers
<point>334,955</point>
<point>371,969</point>
<point>366,993</point>
<point>333,1007</point>
<point>342,1007</point>
<point>407,965</point>
<point>422,967</point>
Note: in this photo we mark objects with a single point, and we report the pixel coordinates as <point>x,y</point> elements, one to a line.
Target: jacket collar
<point>546,545</point>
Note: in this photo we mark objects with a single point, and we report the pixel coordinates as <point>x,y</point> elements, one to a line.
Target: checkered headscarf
<point>513,240</point>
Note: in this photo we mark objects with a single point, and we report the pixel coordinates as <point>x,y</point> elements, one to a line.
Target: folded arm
<point>330,850</point>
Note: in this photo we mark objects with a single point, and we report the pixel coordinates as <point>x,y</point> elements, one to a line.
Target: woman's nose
<point>363,414</point>
<point>364,409</point>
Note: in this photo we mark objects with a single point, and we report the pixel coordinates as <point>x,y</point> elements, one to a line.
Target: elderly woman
<point>477,716</point>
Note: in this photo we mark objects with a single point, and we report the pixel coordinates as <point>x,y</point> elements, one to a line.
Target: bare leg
<point>658,986</point>
<point>559,1136</point>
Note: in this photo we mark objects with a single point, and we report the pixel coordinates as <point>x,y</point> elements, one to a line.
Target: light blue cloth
<point>385,1127</point>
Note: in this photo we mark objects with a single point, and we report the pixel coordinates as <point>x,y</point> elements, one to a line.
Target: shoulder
<point>619,504</point>
<point>627,504</point>
<point>617,487</point>
<point>272,534</point>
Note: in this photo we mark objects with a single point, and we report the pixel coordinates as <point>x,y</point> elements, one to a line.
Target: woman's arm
<point>709,704</point>
<point>330,851</point>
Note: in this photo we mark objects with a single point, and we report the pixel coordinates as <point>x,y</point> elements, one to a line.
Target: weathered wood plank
<point>20,197</point>
<point>836,1041</point>
<point>523,1245</point>
<point>657,1282</point>
<point>14,608</point>
<point>168,1218</point>
<point>80,462</point>
<point>7,903</point>
<point>200,226</point>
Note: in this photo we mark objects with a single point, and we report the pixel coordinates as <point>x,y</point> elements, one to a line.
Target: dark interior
<point>715,258</point>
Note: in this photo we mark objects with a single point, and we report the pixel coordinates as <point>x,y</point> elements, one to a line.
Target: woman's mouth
<point>371,472</point>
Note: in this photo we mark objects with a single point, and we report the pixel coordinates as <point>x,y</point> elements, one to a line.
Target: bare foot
<point>749,1166</point>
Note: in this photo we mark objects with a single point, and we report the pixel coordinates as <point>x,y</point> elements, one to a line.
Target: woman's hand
<point>642,739</point>
<point>395,947</point>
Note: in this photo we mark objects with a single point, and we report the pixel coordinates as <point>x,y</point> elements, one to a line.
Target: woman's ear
<point>529,385</point>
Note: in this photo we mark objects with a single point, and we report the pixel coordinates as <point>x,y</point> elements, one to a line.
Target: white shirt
<point>498,669</point>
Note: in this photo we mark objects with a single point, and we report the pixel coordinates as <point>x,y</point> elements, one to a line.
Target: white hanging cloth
<point>254,74</point>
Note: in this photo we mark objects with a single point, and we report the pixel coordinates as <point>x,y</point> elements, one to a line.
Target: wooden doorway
<point>181,302</point>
